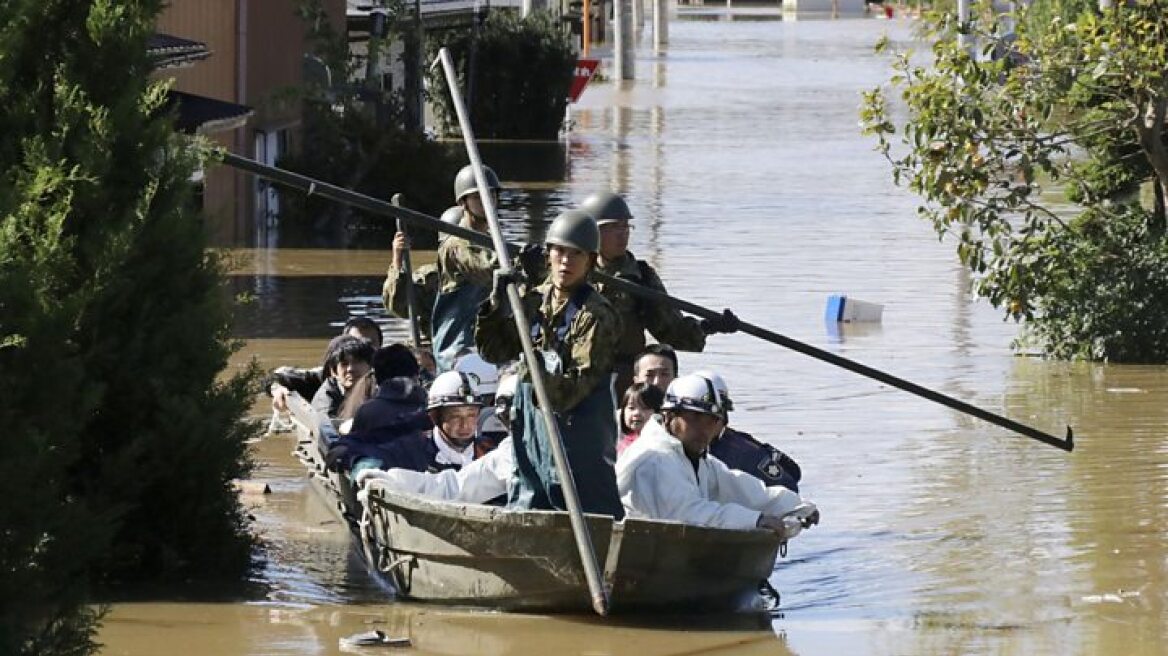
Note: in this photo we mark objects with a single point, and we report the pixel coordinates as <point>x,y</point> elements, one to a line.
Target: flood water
<point>740,156</point>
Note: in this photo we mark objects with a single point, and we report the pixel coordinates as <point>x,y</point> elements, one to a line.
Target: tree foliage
<point>515,74</point>
<point>355,136</point>
<point>994,134</point>
<point>120,442</point>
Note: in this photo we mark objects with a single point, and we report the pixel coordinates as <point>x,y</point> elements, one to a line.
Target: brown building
<point>254,52</point>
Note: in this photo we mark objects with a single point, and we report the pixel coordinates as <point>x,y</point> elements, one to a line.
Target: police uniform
<point>464,281</point>
<point>664,322</point>
<point>743,452</point>
<point>577,339</point>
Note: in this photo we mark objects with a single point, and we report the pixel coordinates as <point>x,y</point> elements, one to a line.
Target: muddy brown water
<point>752,189</point>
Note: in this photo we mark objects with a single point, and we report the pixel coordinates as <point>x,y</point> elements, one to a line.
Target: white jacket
<point>479,482</point>
<point>657,481</point>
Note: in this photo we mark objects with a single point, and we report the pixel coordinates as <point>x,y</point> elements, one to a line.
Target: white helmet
<point>450,389</point>
<point>693,392</point>
<point>483,374</point>
<point>452,215</point>
<point>719,386</point>
<point>508,385</point>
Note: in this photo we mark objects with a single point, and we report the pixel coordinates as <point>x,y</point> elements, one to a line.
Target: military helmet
<point>450,389</point>
<point>695,393</point>
<point>720,387</point>
<point>465,184</point>
<point>574,229</point>
<point>453,216</point>
<point>606,207</point>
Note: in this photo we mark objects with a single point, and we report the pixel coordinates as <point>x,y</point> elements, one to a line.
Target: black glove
<point>727,323</point>
<point>499,286</point>
<point>532,261</point>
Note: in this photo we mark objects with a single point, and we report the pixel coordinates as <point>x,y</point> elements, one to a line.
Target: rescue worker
<point>425,280</point>
<point>464,272</point>
<point>667,473</point>
<point>453,405</point>
<point>743,452</point>
<point>485,377</point>
<point>574,330</point>
<point>664,322</point>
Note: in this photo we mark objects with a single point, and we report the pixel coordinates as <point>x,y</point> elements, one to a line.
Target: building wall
<point>257,49</point>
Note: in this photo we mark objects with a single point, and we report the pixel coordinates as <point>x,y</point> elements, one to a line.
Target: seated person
<point>656,366</point>
<point>743,452</point>
<point>454,410</point>
<point>667,473</point>
<point>641,402</point>
<point>485,378</point>
<point>399,397</point>
<point>306,382</point>
<point>484,480</point>
<point>347,360</point>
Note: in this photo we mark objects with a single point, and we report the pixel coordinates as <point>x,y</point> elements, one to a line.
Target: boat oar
<point>415,337</point>
<point>372,205</point>
<point>523,328</point>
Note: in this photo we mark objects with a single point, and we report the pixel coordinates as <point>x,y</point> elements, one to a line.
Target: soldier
<point>575,331</point>
<point>393,292</point>
<point>464,273</point>
<point>664,322</point>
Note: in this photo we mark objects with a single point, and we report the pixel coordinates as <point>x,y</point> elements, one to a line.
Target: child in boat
<point>347,360</point>
<point>641,402</point>
<point>667,472</point>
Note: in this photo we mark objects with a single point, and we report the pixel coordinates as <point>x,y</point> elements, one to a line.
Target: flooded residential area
<point>751,186</point>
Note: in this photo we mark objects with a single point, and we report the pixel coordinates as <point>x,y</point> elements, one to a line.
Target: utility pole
<point>660,25</point>
<point>623,49</point>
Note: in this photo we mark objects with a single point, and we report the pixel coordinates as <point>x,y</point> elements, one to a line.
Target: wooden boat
<point>486,556</point>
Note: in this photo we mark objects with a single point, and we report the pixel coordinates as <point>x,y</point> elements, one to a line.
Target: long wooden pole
<point>523,328</point>
<point>415,335</point>
<point>375,206</point>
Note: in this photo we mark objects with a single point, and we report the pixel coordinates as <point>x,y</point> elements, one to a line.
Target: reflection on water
<point>739,154</point>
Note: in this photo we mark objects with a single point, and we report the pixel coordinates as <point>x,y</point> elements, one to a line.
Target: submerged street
<point>740,155</point>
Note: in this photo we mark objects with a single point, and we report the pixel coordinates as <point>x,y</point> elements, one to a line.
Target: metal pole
<point>375,206</point>
<point>660,25</point>
<point>623,48</point>
<point>415,336</point>
<point>638,15</point>
<point>523,328</point>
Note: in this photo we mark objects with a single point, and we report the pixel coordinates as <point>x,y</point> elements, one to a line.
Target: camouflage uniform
<point>664,322</point>
<point>464,281</point>
<point>577,340</point>
<point>394,295</point>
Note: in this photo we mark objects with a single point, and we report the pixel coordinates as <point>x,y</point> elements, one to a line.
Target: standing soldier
<point>574,330</point>
<point>464,272</point>
<point>425,281</point>
<point>664,322</point>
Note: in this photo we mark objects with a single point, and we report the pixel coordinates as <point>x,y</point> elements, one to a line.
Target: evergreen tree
<point>121,442</point>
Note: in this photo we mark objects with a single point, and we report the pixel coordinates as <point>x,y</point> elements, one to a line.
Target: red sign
<point>584,70</point>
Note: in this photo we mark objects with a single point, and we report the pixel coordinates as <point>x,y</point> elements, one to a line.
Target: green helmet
<point>465,185</point>
<point>574,229</point>
<point>606,207</point>
<point>453,216</point>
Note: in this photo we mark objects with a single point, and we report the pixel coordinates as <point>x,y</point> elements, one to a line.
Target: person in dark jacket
<point>743,452</point>
<point>306,382</point>
<point>453,407</point>
<point>347,360</point>
<point>397,412</point>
